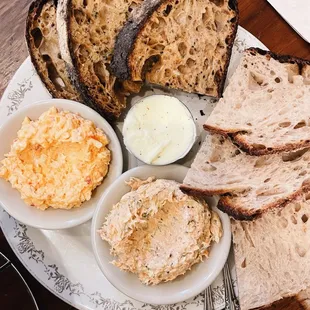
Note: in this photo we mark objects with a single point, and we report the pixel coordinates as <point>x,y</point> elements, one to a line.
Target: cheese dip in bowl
<point>159,130</point>
<point>57,158</point>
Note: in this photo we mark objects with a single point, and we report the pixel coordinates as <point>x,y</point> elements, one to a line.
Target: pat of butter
<point>159,130</point>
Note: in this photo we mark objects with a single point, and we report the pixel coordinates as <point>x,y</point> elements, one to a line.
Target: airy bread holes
<point>190,62</point>
<point>306,183</point>
<point>297,207</point>
<point>259,146</point>
<point>277,80</point>
<point>205,17</point>
<point>267,180</point>
<point>261,162</point>
<point>83,54</point>
<point>243,264</point>
<point>79,16</point>
<point>303,173</point>
<point>300,251</point>
<point>100,73</point>
<point>53,73</point>
<point>263,192</point>
<point>167,10</point>
<point>255,81</point>
<point>37,37</point>
<point>149,63</point>
<point>85,3</point>
<point>218,2</point>
<point>168,72</point>
<point>294,220</point>
<point>182,48</point>
<point>283,222</point>
<point>294,156</point>
<point>183,69</point>
<point>285,124</point>
<point>305,218</point>
<point>300,124</point>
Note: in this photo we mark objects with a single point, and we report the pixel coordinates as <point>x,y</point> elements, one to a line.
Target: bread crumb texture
<point>266,104</point>
<point>272,254</point>
<point>189,42</point>
<point>43,46</point>
<point>93,26</point>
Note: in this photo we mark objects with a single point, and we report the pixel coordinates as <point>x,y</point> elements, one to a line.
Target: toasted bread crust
<point>64,17</point>
<point>40,65</point>
<point>230,43</point>
<point>236,212</point>
<point>122,65</point>
<point>238,136</point>
<point>199,192</point>
<point>86,53</point>
<point>125,40</point>
<point>34,11</point>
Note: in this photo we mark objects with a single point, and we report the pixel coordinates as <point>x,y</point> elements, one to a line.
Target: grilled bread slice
<point>87,32</point>
<point>181,44</point>
<point>249,185</point>
<point>43,46</point>
<point>266,106</point>
<point>272,255</point>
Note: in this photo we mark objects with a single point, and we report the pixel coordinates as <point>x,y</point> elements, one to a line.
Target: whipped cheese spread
<point>159,130</point>
<point>57,160</point>
<point>158,232</point>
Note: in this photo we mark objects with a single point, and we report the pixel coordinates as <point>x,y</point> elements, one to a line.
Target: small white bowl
<point>52,218</point>
<point>182,288</point>
<point>153,109</point>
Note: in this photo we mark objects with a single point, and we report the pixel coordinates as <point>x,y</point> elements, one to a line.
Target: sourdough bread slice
<point>272,255</point>
<point>180,44</point>
<point>251,184</point>
<point>266,106</point>
<point>43,46</point>
<point>87,32</point>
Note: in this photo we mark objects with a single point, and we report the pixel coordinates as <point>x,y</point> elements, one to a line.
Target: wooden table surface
<point>257,16</point>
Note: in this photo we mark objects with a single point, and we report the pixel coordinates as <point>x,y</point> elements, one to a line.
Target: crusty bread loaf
<point>252,184</point>
<point>87,31</point>
<point>43,46</point>
<point>266,106</point>
<point>180,44</point>
<point>272,255</point>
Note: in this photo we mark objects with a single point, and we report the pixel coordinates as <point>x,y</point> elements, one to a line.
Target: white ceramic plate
<point>63,261</point>
<point>182,288</point>
<point>52,218</point>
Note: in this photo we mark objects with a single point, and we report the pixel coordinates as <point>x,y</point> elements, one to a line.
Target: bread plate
<point>51,218</point>
<point>183,287</point>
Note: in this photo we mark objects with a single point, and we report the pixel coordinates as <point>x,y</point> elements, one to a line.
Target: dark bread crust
<point>238,136</point>
<point>74,74</point>
<point>291,302</point>
<point>126,41</point>
<point>239,213</point>
<point>34,11</point>
<point>230,43</point>
<point>49,68</point>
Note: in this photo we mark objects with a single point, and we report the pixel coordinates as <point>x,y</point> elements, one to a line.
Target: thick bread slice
<point>43,46</point>
<point>87,31</point>
<point>252,184</point>
<point>190,43</point>
<point>266,106</point>
<point>272,255</point>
